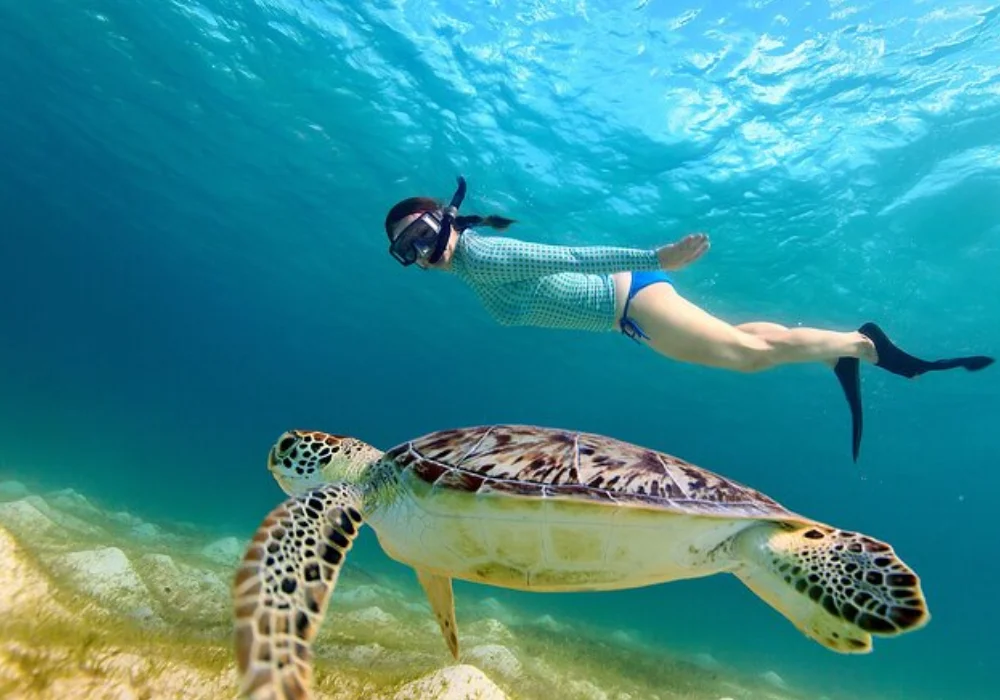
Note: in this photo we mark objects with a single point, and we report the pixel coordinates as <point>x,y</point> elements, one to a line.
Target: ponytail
<point>419,204</point>
<point>498,222</point>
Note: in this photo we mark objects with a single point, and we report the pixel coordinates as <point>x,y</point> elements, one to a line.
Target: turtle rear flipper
<point>442,599</point>
<point>838,588</point>
<point>283,585</point>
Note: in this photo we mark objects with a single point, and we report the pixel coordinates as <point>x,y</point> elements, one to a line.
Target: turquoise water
<point>192,195</point>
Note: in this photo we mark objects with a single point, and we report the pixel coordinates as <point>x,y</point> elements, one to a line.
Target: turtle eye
<point>286,443</point>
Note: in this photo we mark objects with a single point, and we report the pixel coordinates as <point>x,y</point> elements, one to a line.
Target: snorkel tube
<point>450,212</point>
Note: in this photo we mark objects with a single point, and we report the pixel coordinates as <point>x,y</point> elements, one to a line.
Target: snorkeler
<point>600,288</point>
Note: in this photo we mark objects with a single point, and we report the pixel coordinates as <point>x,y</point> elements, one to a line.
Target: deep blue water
<point>192,260</point>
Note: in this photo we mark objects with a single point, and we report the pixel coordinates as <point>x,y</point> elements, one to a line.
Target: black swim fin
<point>892,359</point>
<point>848,371</point>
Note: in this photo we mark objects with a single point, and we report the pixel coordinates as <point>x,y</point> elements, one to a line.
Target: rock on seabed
<point>453,683</point>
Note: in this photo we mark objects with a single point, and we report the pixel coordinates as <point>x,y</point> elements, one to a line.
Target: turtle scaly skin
<point>540,509</point>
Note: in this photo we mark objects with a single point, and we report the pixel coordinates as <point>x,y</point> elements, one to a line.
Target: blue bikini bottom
<point>640,280</point>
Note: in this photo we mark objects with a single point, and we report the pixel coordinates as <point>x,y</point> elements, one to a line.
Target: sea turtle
<point>540,509</point>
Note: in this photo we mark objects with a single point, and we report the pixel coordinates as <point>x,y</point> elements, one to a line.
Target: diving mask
<point>427,236</point>
<point>419,239</point>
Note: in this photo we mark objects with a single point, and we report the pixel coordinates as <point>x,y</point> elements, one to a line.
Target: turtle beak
<point>272,459</point>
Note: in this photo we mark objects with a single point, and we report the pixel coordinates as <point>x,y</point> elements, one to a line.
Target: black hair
<point>412,205</point>
<point>493,221</point>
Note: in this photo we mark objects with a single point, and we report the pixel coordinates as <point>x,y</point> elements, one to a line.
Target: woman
<point>601,288</point>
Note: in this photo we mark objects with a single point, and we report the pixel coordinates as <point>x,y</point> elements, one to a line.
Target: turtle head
<point>302,460</point>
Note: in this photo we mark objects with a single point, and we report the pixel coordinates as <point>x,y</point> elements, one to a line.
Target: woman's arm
<point>500,259</point>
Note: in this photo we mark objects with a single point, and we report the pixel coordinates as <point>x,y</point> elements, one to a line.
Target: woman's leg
<point>683,331</point>
<point>774,332</point>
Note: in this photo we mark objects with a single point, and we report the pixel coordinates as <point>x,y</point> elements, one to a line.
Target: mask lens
<point>416,239</point>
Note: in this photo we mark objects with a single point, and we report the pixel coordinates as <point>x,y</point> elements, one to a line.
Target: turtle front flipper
<point>283,585</point>
<point>442,600</point>
<point>838,588</point>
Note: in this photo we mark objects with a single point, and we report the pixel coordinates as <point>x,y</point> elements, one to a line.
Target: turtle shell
<point>533,462</point>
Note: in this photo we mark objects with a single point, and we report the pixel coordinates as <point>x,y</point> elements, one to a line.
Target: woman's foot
<point>862,348</point>
<point>866,349</point>
<point>874,346</point>
<point>893,359</point>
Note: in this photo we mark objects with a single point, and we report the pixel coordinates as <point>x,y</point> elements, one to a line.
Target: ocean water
<point>192,261</point>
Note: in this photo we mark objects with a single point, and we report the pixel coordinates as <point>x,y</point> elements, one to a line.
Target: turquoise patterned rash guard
<point>552,286</point>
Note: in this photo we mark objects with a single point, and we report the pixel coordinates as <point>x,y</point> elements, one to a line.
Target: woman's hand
<point>674,256</point>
